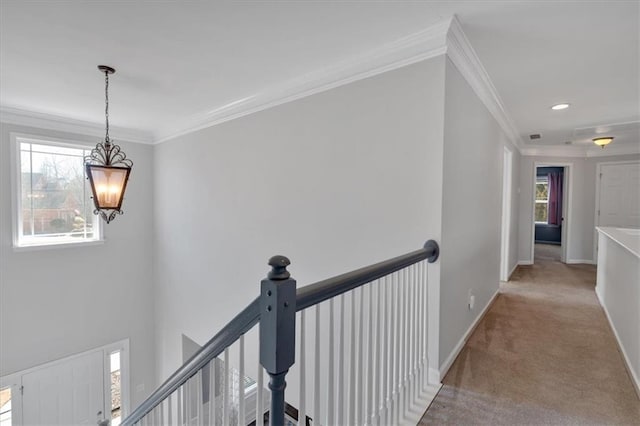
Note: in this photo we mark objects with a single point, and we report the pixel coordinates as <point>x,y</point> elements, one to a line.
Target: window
<point>542,200</point>
<point>116,388</point>
<point>5,406</point>
<point>53,196</point>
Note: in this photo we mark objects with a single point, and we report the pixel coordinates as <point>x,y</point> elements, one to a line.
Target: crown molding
<point>21,117</point>
<point>414,48</point>
<point>461,53</point>
<point>554,151</point>
<point>580,151</point>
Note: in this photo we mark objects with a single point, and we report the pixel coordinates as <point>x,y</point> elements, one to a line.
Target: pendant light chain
<point>106,105</point>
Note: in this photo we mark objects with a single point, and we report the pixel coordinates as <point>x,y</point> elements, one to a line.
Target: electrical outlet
<point>471,300</point>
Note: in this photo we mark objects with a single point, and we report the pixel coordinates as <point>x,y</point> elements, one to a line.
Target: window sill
<point>56,245</point>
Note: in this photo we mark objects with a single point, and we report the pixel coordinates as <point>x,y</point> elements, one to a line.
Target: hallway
<point>543,354</point>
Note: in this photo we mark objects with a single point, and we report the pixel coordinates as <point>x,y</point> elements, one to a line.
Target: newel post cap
<point>279,268</point>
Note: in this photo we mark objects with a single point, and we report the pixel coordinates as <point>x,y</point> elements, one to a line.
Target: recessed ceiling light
<point>558,107</point>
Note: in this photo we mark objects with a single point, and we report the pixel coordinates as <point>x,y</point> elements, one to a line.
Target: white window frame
<point>542,180</point>
<point>16,189</point>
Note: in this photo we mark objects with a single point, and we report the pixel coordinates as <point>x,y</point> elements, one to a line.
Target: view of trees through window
<point>542,201</point>
<point>55,195</point>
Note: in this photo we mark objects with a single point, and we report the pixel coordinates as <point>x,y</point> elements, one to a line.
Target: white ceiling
<point>179,60</point>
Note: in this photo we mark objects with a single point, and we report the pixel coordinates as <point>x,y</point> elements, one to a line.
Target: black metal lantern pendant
<point>108,168</point>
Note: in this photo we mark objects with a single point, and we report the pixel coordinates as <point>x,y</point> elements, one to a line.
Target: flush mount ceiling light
<point>559,107</point>
<point>108,168</point>
<point>603,141</point>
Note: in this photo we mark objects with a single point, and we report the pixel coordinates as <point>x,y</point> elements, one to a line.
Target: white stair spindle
<point>351,407</point>
<point>260,397</point>
<point>340,387</point>
<point>385,352</point>
<point>225,390</point>
<point>188,401</point>
<point>378,349</point>
<point>179,417</point>
<point>316,372</point>
<point>395,419</point>
<point>198,384</point>
<point>407,337</point>
<point>170,400</point>
<point>212,392</point>
<point>370,350</point>
<point>360,417</point>
<point>241,402</point>
<point>330,374</point>
<point>302,410</point>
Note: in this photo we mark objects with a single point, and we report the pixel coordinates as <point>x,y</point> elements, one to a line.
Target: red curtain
<point>555,198</point>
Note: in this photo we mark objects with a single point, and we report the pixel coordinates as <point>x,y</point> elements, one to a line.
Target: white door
<point>619,201</point>
<point>68,393</point>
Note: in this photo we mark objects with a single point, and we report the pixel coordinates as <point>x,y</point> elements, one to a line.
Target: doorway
<point>551,203</point>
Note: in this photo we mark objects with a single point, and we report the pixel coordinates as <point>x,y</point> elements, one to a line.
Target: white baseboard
<point>513,270</point>
<point>434,377</point>
<point>633,374</point>
<point>456,350</point>
<point>580,261</point>
<point>525,262</point>
<point>418,407</point>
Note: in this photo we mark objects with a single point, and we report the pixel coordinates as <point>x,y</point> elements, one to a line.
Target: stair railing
<point>374,372</point>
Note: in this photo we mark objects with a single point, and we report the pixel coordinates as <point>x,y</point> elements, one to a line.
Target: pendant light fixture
<point>107,167</point>
<point>603,141</point>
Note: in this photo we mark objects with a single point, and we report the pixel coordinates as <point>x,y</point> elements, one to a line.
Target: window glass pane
<point>56,200</point>
<point>541,212</point>
<point>542,191</point>
<point>5,407</point>
<point>116,390</point>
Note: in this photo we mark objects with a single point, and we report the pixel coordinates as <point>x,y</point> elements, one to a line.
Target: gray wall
<point>61,301</point>
<point>335,181</point>
<point>581,211</point>
<point>472,210</point>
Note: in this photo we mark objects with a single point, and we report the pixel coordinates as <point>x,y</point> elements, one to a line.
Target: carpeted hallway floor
<point>543,354</point>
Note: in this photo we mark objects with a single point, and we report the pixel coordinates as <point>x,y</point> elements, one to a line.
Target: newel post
<point>277,332</point>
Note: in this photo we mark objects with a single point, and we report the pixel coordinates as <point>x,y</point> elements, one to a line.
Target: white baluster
<point>260,397</point>
<point>225,390</point>
<point>316,372</point>
<point>212,392</point>
<point>199,411</point>
<point>188,401</point>
<point>170,400</point>
<point>340,393</point>
<point>351,407</point>
<point>360,417</point>
<point>241,402</point>
<point>385,352</point>
<point>416,331</point>
<point>370,350</point>
<point>378,347</point>
<point>330,375</point>
<point>302,410</point>
<point>407,343</point>
<point>395,407</point>
<point>179,406</point>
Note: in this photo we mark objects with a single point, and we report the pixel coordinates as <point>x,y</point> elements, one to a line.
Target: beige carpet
<point>546,252</point>
<point>543,354</point>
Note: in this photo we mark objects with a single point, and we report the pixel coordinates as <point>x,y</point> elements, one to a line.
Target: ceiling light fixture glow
<point>559,107</point>
<point>603,141</point>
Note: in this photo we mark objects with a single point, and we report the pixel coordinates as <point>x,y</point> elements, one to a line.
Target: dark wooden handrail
<point>313,294</point>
